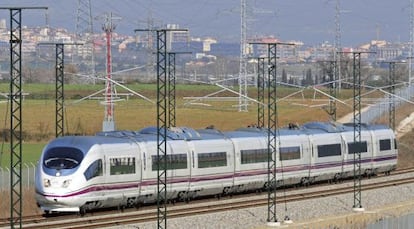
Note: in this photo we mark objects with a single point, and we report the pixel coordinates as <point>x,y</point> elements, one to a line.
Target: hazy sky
<point>311,21</point>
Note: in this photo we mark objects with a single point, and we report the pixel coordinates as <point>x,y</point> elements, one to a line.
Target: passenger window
<point>174,161</point>
<point>94,170</point>
<point>329,150</point>
<point>208,160</point>
<point>385,144</point>
<point>122,165</point>
<point>250,156</point>
<point>289,153</point>
<point>357,147</point>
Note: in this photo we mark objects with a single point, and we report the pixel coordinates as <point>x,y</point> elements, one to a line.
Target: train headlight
<point>46,183</point>
<point>66,183</point>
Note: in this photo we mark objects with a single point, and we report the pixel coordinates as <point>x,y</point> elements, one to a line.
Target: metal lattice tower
<point>60,99</point>
<point>162,124</point>
<point>337,45</point>
<point>162,127</point>
<point>272,134</point>
<point>150,50</point>
<point>243,58</point>
<point>59,92</point>
<point>16,117</point>
<point>357,128</point>
<point>171,90</point>
<point>164,91</point>
<point>84,24</point>
<point>260,92</point>
<point>410,62</point>
<point>333,89</point>
<point>15,96</point>
<point>391,97</point>
<point>84,33</point>
<point>109,122</point>
<point>331,110</point>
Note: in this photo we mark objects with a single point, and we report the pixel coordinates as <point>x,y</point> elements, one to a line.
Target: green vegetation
<point>30,153</point>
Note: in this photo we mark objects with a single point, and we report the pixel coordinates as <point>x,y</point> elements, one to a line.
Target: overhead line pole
<point>243,57</point>
<point>162,128</point>
<point>59,91</point>
<point>391,95</point>
<point>391,105</point>
<point>260,91</point>
<point>272,133</point>
<point>357,128</point>
<point>332,89</point>
<point>171,88</point>
<point>162,124</point>
<point>109,121</point>
<point>16,114</point>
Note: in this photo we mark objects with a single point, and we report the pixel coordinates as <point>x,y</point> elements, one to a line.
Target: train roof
<point>149,134</point>
<point>188,134</point>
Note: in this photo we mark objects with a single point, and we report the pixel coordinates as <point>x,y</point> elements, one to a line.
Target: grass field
<point>84,117</point>
<point>30,153</point>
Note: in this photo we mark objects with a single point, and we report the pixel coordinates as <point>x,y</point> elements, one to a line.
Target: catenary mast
<point>243,59</point>
<point>108,123</point>
<point>84,34</point>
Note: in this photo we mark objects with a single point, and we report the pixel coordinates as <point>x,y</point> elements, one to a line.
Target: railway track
<point>149,214</point>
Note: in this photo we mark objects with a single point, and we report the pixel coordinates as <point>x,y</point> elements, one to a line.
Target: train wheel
<point>181,196</point>
<point>337,178</point>
<point>82,211</point>
<point>226,190</point>
<point>304,181</point>
<point>130,202</point>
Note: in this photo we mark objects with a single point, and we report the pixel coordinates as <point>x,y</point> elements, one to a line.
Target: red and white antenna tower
<point>109,123</point>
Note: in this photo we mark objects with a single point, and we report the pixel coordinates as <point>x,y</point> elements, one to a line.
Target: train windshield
<point>62,158</point>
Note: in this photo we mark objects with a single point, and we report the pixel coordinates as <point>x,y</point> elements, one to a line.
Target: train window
<point>395,144</point>
<point>355,147</point>
<point>208,160</point>
<point>94,170</point>
<point>329,150</point>
<point>62,158</point>
<point>174,161</point>
<point>289,153</point>
<point>385,144</point>
<point>122,165</point>
<point>251,156</point>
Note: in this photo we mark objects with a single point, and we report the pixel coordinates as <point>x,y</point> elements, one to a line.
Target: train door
<point>140,162</point>
<point>312,152</point>
<point>191,153</point>
<point>178,167</point>
<point>344,148</point>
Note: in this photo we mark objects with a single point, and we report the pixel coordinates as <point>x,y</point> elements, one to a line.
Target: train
<point>119,168</point>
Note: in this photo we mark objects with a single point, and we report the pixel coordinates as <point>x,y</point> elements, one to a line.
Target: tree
<point>284,76</point>
<point>308,78</point>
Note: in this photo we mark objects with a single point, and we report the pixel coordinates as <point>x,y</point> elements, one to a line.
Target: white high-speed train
<point>78,173</point>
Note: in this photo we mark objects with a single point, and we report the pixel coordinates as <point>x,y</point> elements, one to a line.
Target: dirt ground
<point>29,204</point>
